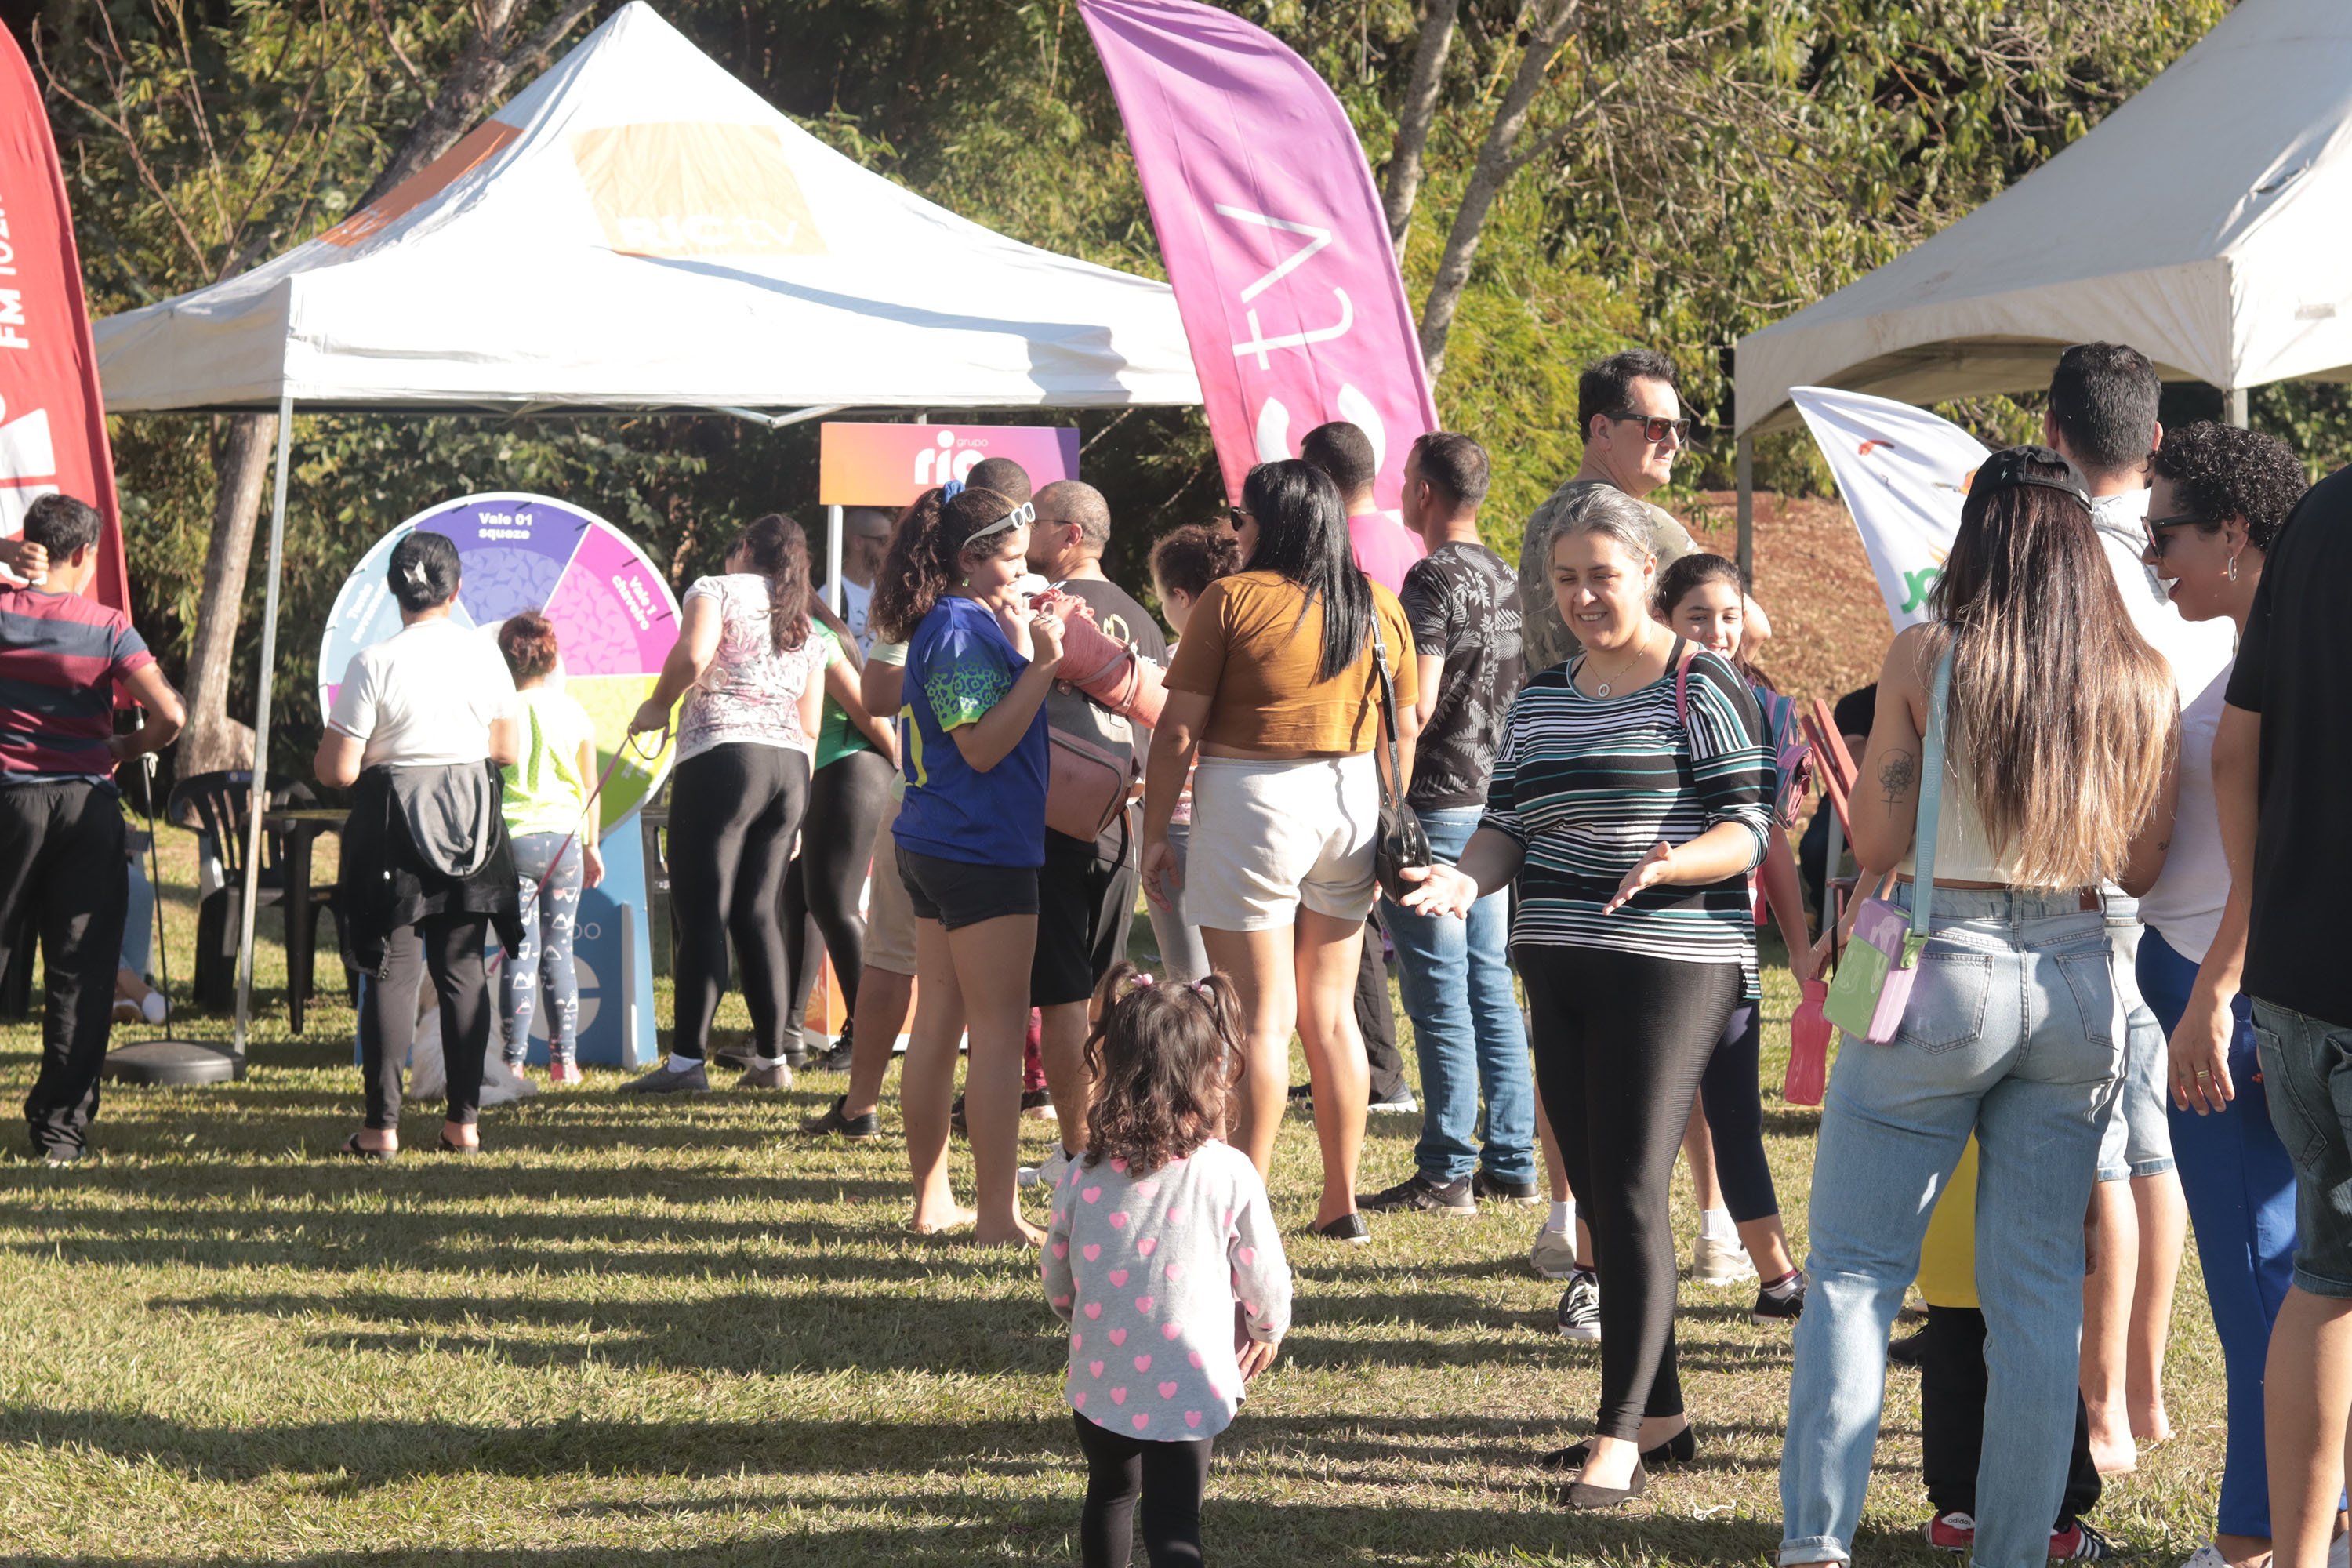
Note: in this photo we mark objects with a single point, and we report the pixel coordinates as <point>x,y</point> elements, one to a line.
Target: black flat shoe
<point>1584,1497</point>
<point>1348,1228</point>
<point>354,1150</point>
<point>1678,1449</point>
<point>467,1149</point>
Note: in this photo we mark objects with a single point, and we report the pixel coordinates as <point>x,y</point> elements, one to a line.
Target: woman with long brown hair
<point>969,835</point>
<point>748,670</point>
<point>2058,729</point>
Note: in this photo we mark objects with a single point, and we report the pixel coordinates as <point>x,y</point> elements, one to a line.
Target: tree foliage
<point>1701,168</point>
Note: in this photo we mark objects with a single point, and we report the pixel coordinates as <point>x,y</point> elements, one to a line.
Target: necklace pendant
<point>1601,689</point>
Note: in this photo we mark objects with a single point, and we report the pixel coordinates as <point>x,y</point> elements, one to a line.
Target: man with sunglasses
<point>2100,417</point>
<point>1634,428</point>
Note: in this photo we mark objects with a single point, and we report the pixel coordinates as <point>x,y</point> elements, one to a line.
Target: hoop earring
<point>966,581</point>
<point>2233,568</point>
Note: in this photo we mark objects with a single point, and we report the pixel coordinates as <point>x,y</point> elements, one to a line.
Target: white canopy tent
<point>2203,222</point>
<point>638,231</point>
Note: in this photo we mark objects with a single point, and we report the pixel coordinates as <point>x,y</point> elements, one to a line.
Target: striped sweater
<point>1587,784</point>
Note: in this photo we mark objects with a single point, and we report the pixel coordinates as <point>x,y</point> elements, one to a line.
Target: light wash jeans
<point>2014,1033</point>
<point>1456,974</point>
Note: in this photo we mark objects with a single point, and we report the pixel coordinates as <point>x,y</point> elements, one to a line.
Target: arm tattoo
<point>1898,775</point>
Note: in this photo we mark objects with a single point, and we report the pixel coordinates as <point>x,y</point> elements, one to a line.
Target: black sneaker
<point>836,1058</point>
<point>1418,1193</point>
<point>1770,1309</point>
<point>833,1124</point>
<point>1494,1189</point>
<point>1038,1104</point>
<point>1349,1228</point>
<point>1910,1352</point>
<point>1580,1308</point>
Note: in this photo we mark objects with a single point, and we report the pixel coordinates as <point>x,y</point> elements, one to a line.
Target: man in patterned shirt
<point>1463,600</point>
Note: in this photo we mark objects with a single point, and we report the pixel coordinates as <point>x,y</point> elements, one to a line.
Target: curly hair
<point>926,555</point>
<point>2219,472</point>
<point>1165,1060</point>
<point>527,641</point>
<point>1189,558</point>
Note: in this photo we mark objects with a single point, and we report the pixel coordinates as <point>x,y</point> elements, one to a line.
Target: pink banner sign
<point>890,465</point>
<point>1272,234</point>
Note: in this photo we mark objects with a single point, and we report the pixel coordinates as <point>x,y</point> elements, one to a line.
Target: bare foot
<point>2151,1426</point>
<point>1023,1234</point>
<point>942,1222</point>
<point>2112,1452</point>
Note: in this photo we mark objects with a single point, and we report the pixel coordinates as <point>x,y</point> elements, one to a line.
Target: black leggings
<point>1952,1381</point>
<point>450,948</point>
<point>1735,1116</point>
<point>1169,1476</point>
<point>844,807</point>
<point>1619,1042</point>
<point>733,811</point>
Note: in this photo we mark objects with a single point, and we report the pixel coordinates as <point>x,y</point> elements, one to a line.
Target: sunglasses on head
<point>1655,427</point>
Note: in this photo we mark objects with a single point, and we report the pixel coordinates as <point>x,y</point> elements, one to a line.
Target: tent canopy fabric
<point>2202,222</point>
<point>639,230</point>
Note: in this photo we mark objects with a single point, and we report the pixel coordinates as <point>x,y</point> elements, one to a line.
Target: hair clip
<point>1141,978</point>
<point>952,488</point>
<point>414,574</point>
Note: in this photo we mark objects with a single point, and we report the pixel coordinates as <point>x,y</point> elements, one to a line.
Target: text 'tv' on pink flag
<point>1274,239</point>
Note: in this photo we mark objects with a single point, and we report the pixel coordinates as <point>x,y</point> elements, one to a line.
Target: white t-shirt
<point>2185,902</point>
<point>426,696</point>
<point>751,695</point>
<point>856,604</point>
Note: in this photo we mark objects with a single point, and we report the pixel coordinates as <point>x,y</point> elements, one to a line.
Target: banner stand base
<point>169,1064</point>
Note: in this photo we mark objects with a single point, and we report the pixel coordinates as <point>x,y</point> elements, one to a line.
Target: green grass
<point>674,1334</point>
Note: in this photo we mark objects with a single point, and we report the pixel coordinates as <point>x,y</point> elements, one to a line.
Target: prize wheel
<point>615,618</point>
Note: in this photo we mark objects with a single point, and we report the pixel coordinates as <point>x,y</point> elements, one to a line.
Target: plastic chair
<point>215,805</point>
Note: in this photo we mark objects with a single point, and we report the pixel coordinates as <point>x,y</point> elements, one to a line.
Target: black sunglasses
<point>1655,427</point>
<point>1237,517</point>
<point>2156,527</point>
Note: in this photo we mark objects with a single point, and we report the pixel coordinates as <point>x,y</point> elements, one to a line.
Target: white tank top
<point>1964,851</point>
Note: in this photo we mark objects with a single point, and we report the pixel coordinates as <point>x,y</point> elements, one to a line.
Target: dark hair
<point>1343,451</point>
<point>779,552</point>
<point>2103,400</point>
<point>2219,472</point>
<point>1165,1059</point>
<point>1686,576</point>
<point>1607,384</point>
<point>2063,720</point>
<point>1189,558</point>
<point>851,516</point>
<point>1455,465</point>
<point>926,555</point>
<point>62,524</point>
<point>1075,500</point>
<point>1003,475</point>
<point>527,638</point>
<point>1302,537</point>
<point>423,571</point>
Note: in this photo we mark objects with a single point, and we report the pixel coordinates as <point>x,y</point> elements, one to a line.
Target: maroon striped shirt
<point>60,656</point>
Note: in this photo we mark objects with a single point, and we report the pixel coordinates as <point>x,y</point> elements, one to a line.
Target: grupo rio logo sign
<point>890,465</point>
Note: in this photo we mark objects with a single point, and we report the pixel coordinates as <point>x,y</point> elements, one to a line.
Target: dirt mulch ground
<point>1830,630</point>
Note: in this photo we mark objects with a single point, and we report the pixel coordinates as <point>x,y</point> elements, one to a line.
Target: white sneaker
<point>1553,1256</point>
<point>1716,1262</point>
<point>1400,1103</point>
<point>2210,1557</point>
<point>1048,1173</point>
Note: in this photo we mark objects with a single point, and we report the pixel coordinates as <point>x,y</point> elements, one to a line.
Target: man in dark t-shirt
<point>1462,601</point>
<point>63,877</point>
<point>2281,780</point>
<point>1085,894</point>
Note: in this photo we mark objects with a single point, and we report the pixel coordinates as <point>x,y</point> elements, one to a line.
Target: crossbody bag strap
<point>1388,712</point>
<point>1931,797</point>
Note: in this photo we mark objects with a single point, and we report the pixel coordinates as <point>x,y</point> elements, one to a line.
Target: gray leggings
<point>545,956</point>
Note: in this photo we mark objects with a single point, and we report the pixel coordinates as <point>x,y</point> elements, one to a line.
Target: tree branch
<point>1415,116</point>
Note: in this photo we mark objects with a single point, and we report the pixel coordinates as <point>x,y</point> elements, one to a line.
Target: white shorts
<point>1268,837</point>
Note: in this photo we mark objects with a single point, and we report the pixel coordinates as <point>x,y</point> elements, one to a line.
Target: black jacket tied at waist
<point>425,839</point>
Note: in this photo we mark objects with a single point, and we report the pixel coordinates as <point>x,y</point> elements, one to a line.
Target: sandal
<point>354,1150</point>
<point>449,1148</point>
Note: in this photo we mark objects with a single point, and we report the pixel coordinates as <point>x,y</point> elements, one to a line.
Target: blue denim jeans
<point>2307,1070</point>
<point>2013,1033</point>
<point>1456,975</point>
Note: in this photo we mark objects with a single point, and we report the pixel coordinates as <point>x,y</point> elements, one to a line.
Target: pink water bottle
<point>1808,1047</point>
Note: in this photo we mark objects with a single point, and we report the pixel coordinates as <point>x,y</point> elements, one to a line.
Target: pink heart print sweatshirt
<point>1147,1271</point>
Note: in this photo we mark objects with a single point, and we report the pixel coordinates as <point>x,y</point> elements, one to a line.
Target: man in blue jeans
<point>2281,759</point>
<point>1463,600</point>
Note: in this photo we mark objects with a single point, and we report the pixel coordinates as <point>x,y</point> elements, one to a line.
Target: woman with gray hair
<point>1631,798</point>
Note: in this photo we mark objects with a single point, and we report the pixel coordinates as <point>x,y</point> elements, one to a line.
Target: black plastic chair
<point>215,805</point>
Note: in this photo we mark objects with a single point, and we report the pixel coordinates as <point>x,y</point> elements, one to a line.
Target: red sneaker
<point>1952,1531</point>
<point>564,1072</point>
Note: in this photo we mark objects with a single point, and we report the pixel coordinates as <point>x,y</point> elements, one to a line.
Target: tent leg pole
<point>2234,399</point>
<point>833,558</point>
<point>1746,466</point>
<point>261,744</point>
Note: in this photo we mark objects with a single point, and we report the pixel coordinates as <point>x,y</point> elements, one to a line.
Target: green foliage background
<point>1746,157</point>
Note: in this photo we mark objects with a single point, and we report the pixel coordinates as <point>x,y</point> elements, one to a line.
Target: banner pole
<point>833,558</point>
<point>1746,465</point>
<point>261,743</point>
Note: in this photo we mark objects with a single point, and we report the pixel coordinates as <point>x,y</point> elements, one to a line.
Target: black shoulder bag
<point>1402,842</point>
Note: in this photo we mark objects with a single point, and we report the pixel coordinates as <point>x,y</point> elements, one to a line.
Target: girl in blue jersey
<point>970,835</point>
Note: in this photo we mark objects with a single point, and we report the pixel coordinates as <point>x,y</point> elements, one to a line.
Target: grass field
<point>677,1334</point>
